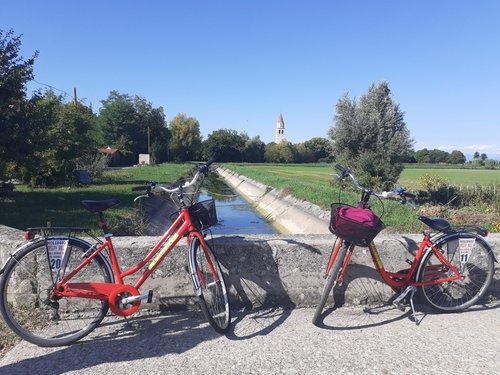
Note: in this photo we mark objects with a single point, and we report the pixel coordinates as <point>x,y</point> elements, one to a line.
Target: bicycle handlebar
<point>154,184</point>
<point>399,192</point>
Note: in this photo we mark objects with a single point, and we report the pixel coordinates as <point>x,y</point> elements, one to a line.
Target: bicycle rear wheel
<point>331,280</point>
<point>472,257</point>
<point>25,295</point>
<point>209,285</point>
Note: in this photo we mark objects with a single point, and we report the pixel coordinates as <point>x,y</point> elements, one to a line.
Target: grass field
<point>411,176</point>
<point>313,182</point>
<point>61,206</point>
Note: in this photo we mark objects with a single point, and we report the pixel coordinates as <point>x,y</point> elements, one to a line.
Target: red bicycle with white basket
<point>452,269</point>
<point>57,289</point>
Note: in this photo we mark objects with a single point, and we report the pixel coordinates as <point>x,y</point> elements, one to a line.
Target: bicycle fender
<point>192,267</point>
<point>451,237</point>
<point>43,239</point>
<point>20,248</point>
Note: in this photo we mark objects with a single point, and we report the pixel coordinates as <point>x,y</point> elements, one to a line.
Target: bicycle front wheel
<point>331,280</point>
<point>209,285</point>
<point>28,305</point>
<point>472,257</point>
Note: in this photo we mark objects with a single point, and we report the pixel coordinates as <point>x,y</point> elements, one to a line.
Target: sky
<point>240,64</point>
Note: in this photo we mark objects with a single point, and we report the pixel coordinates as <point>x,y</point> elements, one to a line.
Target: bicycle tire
<point>213,296</point>
<point>24,295</point>
<point>331,281</point>
<point>477,273</point>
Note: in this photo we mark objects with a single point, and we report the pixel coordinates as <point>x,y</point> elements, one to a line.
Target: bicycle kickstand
<point>397,302</point>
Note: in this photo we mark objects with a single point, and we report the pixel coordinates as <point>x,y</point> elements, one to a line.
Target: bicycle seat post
<point>103,224</point>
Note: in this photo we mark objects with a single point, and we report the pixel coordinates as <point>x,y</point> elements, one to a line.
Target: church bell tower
<point>280,130</point>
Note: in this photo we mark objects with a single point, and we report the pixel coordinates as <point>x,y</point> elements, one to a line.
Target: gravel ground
<point>351,340</point>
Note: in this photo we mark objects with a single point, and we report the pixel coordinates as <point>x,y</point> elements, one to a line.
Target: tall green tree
<point>15,73</point>
<point>63,135</point>
<point>370,136</point>
<point>282,152</point>
<point>319,147</point>
<point>129,123</point>
<point>254,150</point>
<point>185,143</point>
<point>224,145</point>
<point>456,157</point>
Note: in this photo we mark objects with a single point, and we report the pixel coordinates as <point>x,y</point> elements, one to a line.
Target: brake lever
<point>142,196</point>
<point>340,177</point>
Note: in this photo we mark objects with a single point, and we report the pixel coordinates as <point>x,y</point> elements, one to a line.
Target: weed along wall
<point>266,270</point>
<point>287,214</point>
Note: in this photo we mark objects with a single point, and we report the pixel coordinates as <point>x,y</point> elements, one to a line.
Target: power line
<point>52,87</point>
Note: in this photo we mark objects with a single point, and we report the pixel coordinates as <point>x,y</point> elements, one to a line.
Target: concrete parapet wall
<point>268,270</point>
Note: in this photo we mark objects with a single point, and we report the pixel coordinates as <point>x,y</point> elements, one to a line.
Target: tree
<point>370,136</point>
<point>15,73</point>
<point>282,152</point>
<point>456,157</point>
<point>254,150</point>
<point>319,147</point>
<point>126,122</point>
<point>476,155</point>
<point>303,154</point>
<point>224,145</point>
<point>491,163</point>
<point>71,135</point>
<point>186,138</point>
<point>484,156</point>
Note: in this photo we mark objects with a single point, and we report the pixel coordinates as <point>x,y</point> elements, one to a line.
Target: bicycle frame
<point>408,277</point>
<point>110,291</point>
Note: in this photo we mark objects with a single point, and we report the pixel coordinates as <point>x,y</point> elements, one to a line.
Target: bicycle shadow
<point>378,297</point>
<point>116,341</point>
<point>256,289</point>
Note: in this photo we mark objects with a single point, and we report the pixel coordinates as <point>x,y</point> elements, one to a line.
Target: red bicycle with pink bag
<point>452,269</point>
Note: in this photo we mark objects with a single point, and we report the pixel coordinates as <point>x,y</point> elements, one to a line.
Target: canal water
<point>235,215</point>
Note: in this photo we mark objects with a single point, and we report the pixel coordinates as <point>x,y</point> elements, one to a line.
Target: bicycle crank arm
<point>133,299</point>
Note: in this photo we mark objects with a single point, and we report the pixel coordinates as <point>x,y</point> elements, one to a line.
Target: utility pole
<point>75,100</point>
<point>148,140</point>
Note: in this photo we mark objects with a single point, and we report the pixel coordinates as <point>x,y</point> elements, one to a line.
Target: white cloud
<point>447,148</point>
<point>483,148</point>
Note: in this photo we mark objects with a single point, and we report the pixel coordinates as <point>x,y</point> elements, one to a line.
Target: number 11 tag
<point>465,246</point>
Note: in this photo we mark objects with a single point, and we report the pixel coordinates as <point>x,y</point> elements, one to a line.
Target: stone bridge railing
<point>268,270</point>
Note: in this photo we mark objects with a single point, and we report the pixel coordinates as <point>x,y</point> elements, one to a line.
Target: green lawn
<point>411,176</point>
<point>30,207</point>
<point>313,183</point>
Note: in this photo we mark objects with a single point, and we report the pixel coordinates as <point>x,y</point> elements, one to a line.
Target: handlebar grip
<point>204,168</point>
<point>345,172</point>
<point>139,188</point>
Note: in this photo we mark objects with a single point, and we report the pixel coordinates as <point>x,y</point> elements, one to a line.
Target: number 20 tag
<point>56,250</point>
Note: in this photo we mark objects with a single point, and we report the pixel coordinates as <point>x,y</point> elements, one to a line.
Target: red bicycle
<point>57,289</point>
<point>452,268</point>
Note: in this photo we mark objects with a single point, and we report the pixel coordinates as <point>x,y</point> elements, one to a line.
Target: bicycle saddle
<point>99,206</point>
<point>440,225</point>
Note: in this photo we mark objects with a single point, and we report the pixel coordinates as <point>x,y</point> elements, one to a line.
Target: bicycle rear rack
<point>31,233</point>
